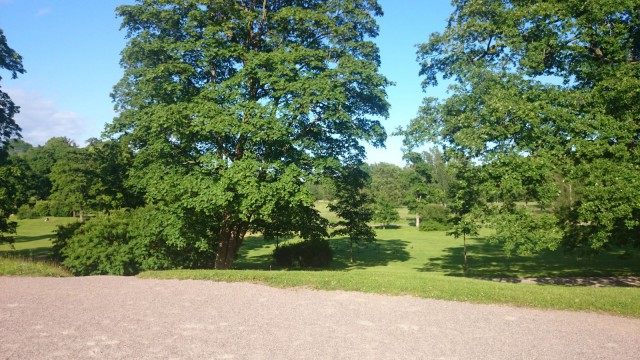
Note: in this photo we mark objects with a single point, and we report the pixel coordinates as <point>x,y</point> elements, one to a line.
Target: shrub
<point>63,234</point>
<point>26,212</point>
<point>434,218</point>
<point>126,242</point>
<point>101,246</point>
<point>304,254</point>
<point>42,208</point>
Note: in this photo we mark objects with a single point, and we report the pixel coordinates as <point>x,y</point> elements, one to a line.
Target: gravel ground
<point>130,318</point>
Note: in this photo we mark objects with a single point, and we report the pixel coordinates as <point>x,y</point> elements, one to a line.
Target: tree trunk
<point>350,251</point>
<point>230,239</point>
<point>464,240</point>
<point>417,220</point>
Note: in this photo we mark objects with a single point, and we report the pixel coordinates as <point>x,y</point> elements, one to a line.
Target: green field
<point>34,236</point>
<point>403,261</point>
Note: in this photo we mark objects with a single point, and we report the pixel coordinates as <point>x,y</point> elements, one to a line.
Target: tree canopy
<point>544,96</point>
<point>11,61</point>
<point>231,106</point>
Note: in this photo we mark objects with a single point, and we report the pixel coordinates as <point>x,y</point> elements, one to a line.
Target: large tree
<point>232,105</point>
<point>544,90</point>
<point>10,61</point>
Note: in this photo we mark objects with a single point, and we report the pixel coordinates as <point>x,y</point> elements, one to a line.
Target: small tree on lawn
<point>353,206</point>
<point>468,202</point>
<point>385,213</point>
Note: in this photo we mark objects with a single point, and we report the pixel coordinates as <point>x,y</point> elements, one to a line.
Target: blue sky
<point>71,51</point>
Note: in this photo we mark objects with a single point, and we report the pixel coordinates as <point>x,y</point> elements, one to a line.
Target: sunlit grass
<point>405,261</point>
<point>34,237</point>
<point>29,267</point>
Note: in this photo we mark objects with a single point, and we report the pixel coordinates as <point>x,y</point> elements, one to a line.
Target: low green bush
<point>126,242</point>
<point>304,254</point>
<point>434,218</point>
<point>26,212</point>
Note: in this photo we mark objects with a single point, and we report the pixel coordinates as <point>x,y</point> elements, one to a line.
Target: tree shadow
<point>260,261</point>
<point>255,254</point>
<point>387,227</point>
<point>39,253</point>
<point>486,260</point>
<point>378,253</point>
<point>23,238</point>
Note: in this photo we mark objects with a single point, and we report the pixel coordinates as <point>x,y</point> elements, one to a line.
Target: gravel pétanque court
<point>131,318</point>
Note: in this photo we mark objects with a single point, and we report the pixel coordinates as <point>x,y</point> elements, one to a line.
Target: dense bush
<point>308,253</point>
<point>26,212</point>
<point>434,218</point>
<point>42,208</point>
<point>126,242</point>
<point>51,208</point>
<point>63,234</point>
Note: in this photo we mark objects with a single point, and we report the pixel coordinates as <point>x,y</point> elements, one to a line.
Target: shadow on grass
<point>379,253</point>
<point>487,260</point>
<point>23,239</point>
<point>255,254</point>
<point>261,260</point>
<point>40,253</point>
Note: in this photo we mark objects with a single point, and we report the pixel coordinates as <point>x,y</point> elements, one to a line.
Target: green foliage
<point>353,203</point>
<point>126,242</point>
<point>63,235</point>
<point>304,254</point>
<point>12,62</point>
<point>385,213</point>
<point>26,212</point>
<point>543,90</point>
<point>387,184</point>
<point>525,233</point>
<point>232,109</point>
<point>102,246</point>
<point>37,163</point>
<point>434,218</point>
<point>353,206</point>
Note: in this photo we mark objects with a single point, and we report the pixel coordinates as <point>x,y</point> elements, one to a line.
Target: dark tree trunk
<point>230,239</point>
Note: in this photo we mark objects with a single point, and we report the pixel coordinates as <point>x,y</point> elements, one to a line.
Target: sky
<point>71,52</point>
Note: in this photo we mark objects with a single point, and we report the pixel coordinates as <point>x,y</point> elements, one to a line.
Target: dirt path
<point>130,318</point>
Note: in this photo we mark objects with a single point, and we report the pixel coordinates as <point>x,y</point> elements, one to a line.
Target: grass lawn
<point>33,239</point>
<point>27,256</point>
<point>429,264</point>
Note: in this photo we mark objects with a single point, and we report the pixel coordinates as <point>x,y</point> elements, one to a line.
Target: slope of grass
<point>28,267</point>
<point>618,301</point>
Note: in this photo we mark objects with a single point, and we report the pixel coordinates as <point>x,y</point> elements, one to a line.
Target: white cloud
<point>40,120</point>
<point>43,11</point>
